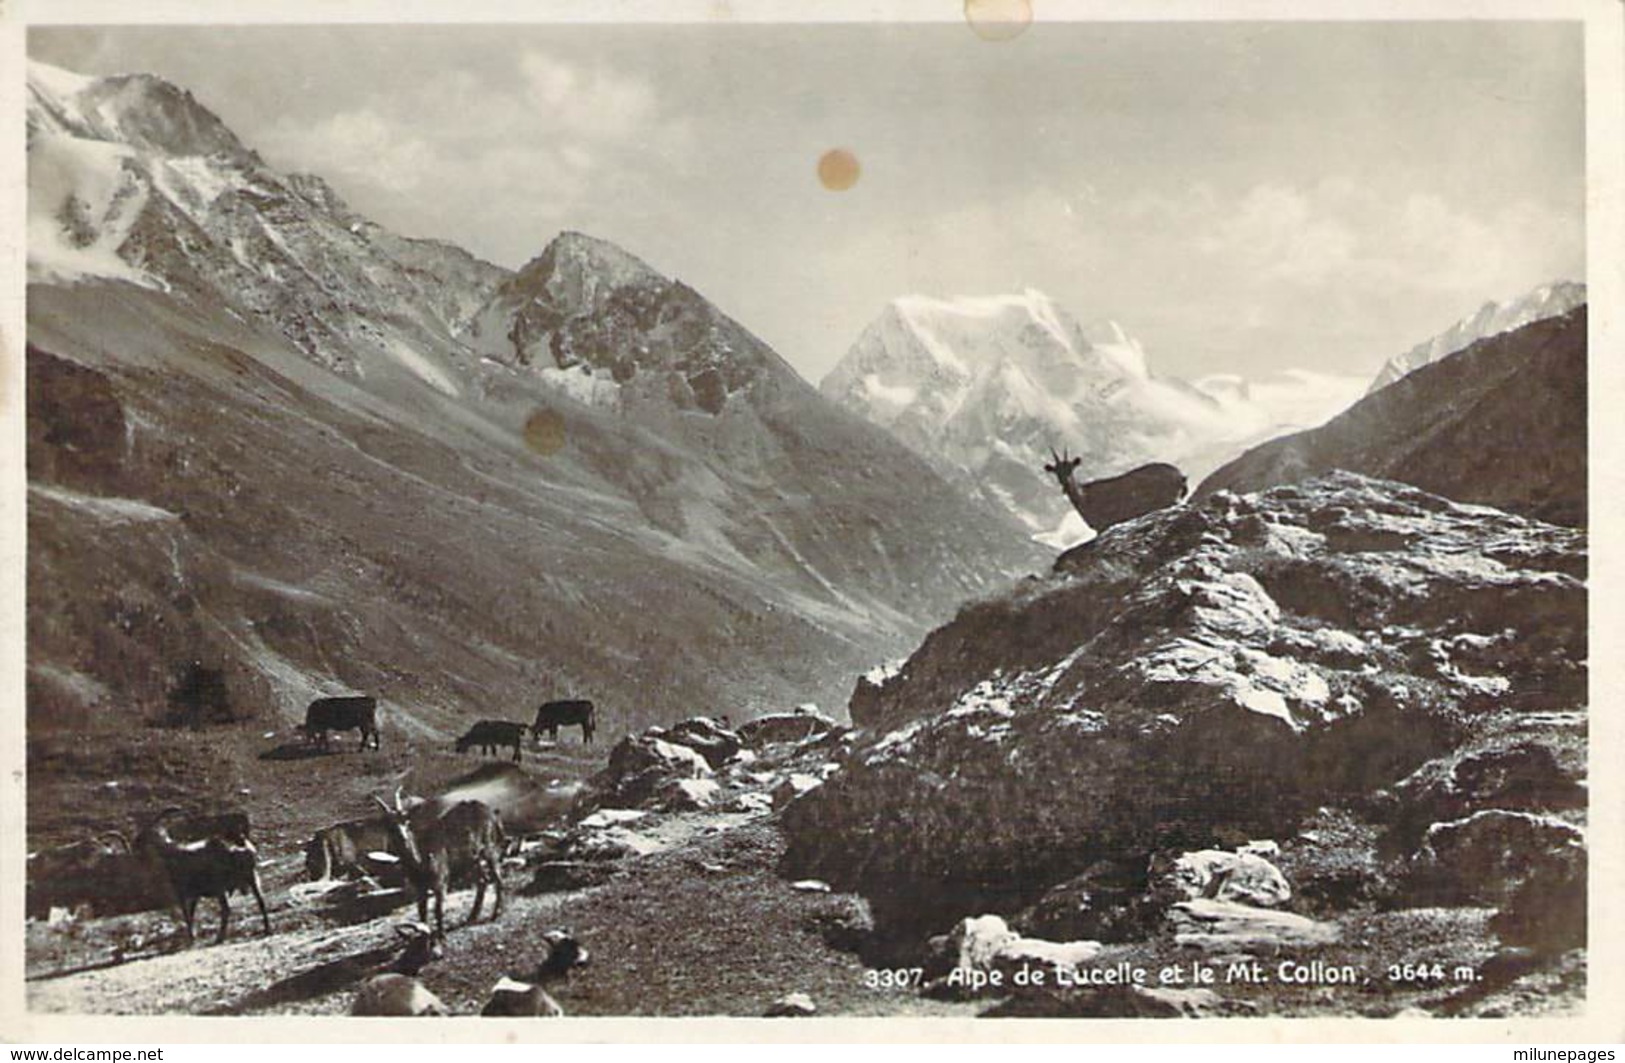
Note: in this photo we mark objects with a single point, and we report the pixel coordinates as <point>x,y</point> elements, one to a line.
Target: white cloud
<point>596,103</point>
<point>361,145</point>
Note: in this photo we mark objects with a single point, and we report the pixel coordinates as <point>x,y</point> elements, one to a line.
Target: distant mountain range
<point>984,387</point>
<point>269,435</point>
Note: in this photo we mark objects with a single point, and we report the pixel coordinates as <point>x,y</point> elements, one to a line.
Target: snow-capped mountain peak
<point>1491,319</point>
<point>139,110</point>
<point>132,179</point>
<point>984,386</point>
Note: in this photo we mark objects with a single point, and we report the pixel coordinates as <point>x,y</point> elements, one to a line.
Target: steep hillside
<point>1491,319</point>
<point>1502,423</point>
<point>261,445</point>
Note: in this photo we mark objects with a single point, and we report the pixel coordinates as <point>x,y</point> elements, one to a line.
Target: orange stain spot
<point>838,169</point>
<point>544,432</point>
<point>999,20</point>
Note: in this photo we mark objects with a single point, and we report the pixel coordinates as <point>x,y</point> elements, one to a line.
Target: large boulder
<point>1201,675</point>
<point>1485,858</point>
<point>1243,877</point>
<point>707,737</point>
<point>1514,771</point>
<point>781,727</point>
<point>983,953</point>
<point>642,769</point>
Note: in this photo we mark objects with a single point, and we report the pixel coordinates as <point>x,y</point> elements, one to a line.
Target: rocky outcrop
<point>644,771</point>
<point>1191,680</point>
<point>1502,423</point>
<point>779,727</point>
<point>707,737</point>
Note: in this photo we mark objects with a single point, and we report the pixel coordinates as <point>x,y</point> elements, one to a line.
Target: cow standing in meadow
<point>346,713</point>
<point>555,714</point>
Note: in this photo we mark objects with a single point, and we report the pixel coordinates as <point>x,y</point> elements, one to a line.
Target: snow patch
<point>583,385</point>
<point>422,367</point>
<point>55,80</point>
<point>111,510</point>
<point>83,198</point>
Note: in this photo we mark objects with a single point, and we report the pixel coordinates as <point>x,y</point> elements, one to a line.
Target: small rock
<point>793,1005</point>
<point>1225,926</point>
<point>793,787</point>
<point>1241,877</point>
<point>810,885</point>
<point>754,801</point>
<point>689,795</point>
<point>609,817</point>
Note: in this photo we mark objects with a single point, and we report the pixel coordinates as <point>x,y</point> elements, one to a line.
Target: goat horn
<point>379,801</point>
<point>120,835</point>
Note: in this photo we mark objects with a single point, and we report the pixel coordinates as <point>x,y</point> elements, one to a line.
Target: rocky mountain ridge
<point>1501,423</point>
<point>1491,319</point>
<point>315,482</point>
<point>1376,690</point>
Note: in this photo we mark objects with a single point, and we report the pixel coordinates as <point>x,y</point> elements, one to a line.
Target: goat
<point>555,714</point>
<point>1103,503</point>
<point>397,991</point>
<point>341,850</point>
<point>348,713</point>
<point>467,838</point>
<point>212,867</point>
<point>529,1000</point>
<point>488,735</point>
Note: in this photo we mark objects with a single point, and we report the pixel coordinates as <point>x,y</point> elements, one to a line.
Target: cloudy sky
<point>1243,197</point>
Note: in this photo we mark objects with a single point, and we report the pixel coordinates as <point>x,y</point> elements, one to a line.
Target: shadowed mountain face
<point>270,437</point>
<point>1502,423</point>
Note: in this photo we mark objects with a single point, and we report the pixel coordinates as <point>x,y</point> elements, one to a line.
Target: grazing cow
<point>488,735</point>
<point>348,713</point>
<point>555,714</point>
<point>1102,503</point>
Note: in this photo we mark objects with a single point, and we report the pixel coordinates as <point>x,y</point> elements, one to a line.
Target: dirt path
<point>283,974</point>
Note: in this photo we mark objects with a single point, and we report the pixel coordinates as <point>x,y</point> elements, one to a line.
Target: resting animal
<point>529,1000</point>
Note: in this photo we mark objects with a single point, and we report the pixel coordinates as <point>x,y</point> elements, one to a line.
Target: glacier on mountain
<point>984,386</point>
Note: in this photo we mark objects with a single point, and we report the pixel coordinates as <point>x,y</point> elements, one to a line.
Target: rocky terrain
<point>1311,743</point>
<point>1502,423</point>
<point>1363,702</point>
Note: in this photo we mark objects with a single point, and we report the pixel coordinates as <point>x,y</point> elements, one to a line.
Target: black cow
<point>347,713</point>
<point>555,714</point>
<point>487,735</point>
